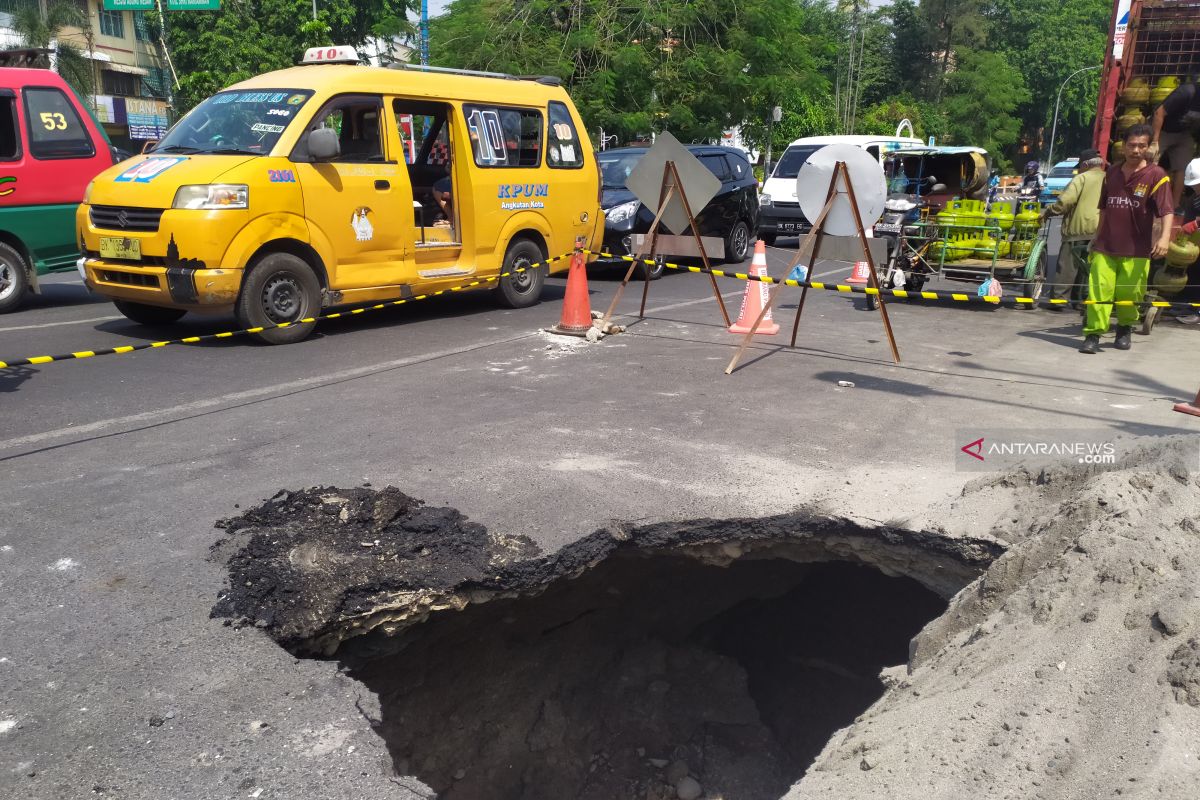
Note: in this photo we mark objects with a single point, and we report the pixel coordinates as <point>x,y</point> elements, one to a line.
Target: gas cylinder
<point>1163,88</point>
<point>1118,152</point>
<point>1028,218</point>
<point>1182,252</point>
<point>1136,92</point>
<point>947,219</point>
<point>1130,117</point>
<point>1001,215</point>
<point>1169,280</point>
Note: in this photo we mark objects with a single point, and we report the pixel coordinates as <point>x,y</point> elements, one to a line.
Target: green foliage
<point>1047,42</point>
<point>695,67</point>
<point>247,37</point>
<point>37,30</point>
<point>980,97</point>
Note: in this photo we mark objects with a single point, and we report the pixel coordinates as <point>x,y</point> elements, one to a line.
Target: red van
<point>50,149</point>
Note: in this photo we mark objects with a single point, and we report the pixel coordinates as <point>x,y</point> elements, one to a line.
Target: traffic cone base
<point>861,275</point>
<point>577,308</point>
<point>755,298</point>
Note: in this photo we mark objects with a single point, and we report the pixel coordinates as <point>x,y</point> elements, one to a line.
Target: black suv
<point>731,215</point>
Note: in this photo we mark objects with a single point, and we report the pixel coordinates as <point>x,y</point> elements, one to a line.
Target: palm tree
<point>40,24</point>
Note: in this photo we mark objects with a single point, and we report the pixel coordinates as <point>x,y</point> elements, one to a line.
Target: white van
<point>779,213</point>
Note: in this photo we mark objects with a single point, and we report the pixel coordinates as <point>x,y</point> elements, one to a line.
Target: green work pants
<point>1114,278</point>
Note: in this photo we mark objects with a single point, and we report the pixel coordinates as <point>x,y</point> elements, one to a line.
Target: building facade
<point>132,82</point>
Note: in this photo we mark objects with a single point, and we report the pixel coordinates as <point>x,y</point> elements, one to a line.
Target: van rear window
<point>504,137</point>
<point>565,148</point>
<point>55,130</point>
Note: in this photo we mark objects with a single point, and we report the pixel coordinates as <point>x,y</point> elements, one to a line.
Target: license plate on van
<point>120,247</point>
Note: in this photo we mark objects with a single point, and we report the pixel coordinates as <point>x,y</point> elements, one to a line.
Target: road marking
<point>249,394</point>
<point>56,324</point>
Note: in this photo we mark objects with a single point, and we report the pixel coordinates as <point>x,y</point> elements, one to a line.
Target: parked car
<point>1060,175</point>
<point>781,214</point>
<point>50,148</point>
<point>732,215</point>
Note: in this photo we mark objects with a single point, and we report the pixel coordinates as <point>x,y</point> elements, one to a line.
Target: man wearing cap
<point>1175,122</point>
<point>1135,198</point>
<point>1080,203</point>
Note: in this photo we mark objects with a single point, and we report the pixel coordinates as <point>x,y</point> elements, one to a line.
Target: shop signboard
<point>147,118</point>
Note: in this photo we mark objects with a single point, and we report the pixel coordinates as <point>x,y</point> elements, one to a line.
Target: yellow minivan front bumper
<point>176,264</point>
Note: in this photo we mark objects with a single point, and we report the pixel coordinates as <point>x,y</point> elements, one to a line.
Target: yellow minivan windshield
<point>241,122</point>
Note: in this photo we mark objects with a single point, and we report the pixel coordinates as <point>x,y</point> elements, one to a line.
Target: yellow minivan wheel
<point>279,288</point>
<point>522,283</point>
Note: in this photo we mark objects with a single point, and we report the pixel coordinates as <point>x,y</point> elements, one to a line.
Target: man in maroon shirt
<point>1136,195</point>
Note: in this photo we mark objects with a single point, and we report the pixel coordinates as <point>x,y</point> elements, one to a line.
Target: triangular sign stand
<point>671,185</point>
<point>811,243</point>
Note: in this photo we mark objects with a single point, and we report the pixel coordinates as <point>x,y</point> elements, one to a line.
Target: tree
<point>695,67</point>
<point>212,50</point>
<point>980,97</point>
<point>1047,42</point>
<point>38,27</point>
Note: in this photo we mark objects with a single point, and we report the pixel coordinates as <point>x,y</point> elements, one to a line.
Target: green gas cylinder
<point>947,219</point>
<point>1001,215</point>
<point>1163,88</point>
<point>1129,118</point>
<point>1136,92</point>
<point>1182,252</point>
<point>1028,218</point>
<point>1169,280</point>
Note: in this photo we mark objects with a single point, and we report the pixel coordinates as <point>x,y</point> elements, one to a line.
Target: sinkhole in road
<point>652,675</point>
<point>706,658</point>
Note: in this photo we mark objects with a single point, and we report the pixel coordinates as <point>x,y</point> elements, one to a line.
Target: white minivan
<point>779,213</point>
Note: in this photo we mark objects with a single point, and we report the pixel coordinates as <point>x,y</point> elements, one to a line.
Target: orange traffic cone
<point>755,298</point>
<point>861,275</point>
<point>577,308</point>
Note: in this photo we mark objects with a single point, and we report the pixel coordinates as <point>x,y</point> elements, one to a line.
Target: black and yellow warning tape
<point>210,337</point>
<point>960,297</point>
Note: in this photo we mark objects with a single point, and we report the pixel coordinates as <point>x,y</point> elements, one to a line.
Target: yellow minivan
<point>332,183</point>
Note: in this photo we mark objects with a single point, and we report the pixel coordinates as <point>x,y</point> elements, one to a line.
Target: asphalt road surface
<point>115,682</point>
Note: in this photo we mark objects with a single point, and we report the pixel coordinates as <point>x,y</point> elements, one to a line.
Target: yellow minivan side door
<point>358,204</point>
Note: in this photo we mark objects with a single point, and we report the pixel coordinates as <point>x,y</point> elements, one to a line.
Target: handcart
<point>971,241</point>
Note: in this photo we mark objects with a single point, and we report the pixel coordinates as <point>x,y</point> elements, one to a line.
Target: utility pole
<point>1054,128</point>
<point>424,32</point>
<point>162,40</point>
<point>776,116</point>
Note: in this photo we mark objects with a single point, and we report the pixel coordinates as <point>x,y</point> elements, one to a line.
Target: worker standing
<point>1136,194</point>
<point>1175,123</point>
<point>1079,205</point>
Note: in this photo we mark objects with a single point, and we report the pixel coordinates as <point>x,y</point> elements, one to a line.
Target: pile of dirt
<point>1070,668</point>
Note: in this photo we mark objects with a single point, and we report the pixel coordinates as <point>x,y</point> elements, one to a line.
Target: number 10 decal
<point>489,137</point>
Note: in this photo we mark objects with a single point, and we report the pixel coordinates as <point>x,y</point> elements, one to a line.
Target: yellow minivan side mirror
<point>323,144</point>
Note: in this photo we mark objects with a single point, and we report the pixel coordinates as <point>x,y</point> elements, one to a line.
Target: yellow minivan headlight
<point>211,196</point>
<point>87,193</point>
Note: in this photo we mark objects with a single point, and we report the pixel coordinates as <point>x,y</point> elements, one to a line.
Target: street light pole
<point>776,116</point>
<point>1054,128</point>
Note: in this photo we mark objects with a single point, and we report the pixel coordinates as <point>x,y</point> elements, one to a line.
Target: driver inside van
<point>360,138</point>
